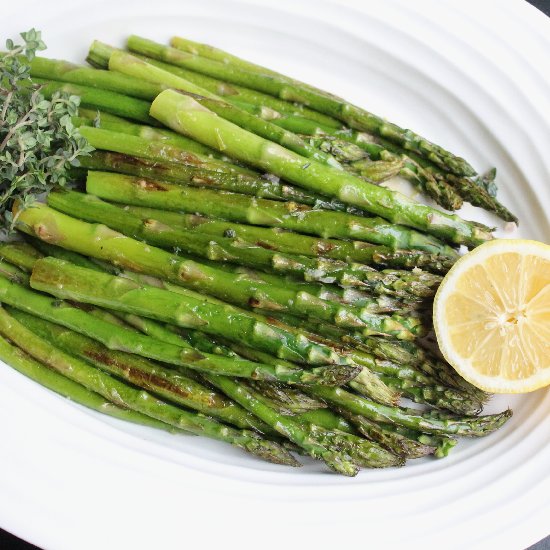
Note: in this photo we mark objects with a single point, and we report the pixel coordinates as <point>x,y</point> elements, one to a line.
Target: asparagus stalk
<point>210,52</point>
<point>101,120</point>
<point>326,418</point>
<point>415,356</point>
<point>183,310</point>
<point>349,296</point>
<point>131,65</point>
<point>94,98</point>
<point>286,426</point>
<point>47,249</point>
<point>409,381</point>
<point>160,151</point>
<point>463,186</point>
<point>401,440</point>
<point>177,173</point>
<point>446,189</point>
<point>472,426</point>
<point>185,115</point>
<point>255,211</point>
<point>21,254</point>
<point>138,400</point>
<point>173,386</point>
<point>100,242</point>
<point>122,339</point>
<point>13,273</point>
<point>365,383</point>
<point>16,358</point>
<point>295,243</point>
<point>436,395</point>
<point>442,444</point>
<point>293,90</point>
<point>287,400</point>
<point>477,195</point>
<point>332,447</point>
<point>100,53</point>
<point>437,189</point>
<point>64,71</point>
<point>393,441</point>
<point>393,282</point>
<point>128,64</point>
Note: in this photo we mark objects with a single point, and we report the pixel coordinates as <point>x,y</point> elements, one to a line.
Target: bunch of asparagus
<point>232,267</point>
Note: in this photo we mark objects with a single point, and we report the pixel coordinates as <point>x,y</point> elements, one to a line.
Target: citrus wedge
<point>492,316</point>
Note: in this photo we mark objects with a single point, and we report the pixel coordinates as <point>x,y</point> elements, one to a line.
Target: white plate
<point>473,76</point>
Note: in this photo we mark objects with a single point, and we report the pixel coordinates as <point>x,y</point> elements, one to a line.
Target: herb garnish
<point>38,141</point>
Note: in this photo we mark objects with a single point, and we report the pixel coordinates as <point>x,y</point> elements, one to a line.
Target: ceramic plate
<point>472,76</point>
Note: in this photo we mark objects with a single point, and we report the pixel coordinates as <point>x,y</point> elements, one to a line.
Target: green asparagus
<point>293,90</point>
<point>254,211</point>
<point>168,384</point>
<point>136,399</point>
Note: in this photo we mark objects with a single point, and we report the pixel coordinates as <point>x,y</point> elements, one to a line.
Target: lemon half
<point>492,316</point>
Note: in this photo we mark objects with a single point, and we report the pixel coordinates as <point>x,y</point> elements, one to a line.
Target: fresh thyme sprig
<point>38,142</point>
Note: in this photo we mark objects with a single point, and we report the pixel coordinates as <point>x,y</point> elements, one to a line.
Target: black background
<point>9,542</point>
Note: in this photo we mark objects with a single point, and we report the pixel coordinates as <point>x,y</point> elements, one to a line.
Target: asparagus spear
<point>402,440</point>
<point>437,189</point>
<point>27,258</point>
<point>266,186</point>
<point>364,300</point>
<point>330,446</point>
<point>210,52</point>
<point>136,399</point>
<point>295,243</point>
<point>473,426</point>
<point>94,98</point>
<point>409,381</point>
<point>293,90</point>
<point>128,64</point>
<point>47,249</point>
<point>442,444</point>
<point>288,396</point>
<point>393,441</point>
<point>168,384</point>
<point>13,273</point>
<point>100,53</point>
<point>254,211</point>
<point>365,383</point>
<point>445,188</point>
<point>21,254</point>
<point>160,151</point>
<point>100,242</point>
<point>326,418</point>
<point>415,356</point>
<point>393,282</point>
<point>16,358</point>
<point>123,339</point>
<point>182,310</point>
<point>435,395</point>
<point>287,399</point>
<point>477,195</point>
<point>64,71</point>
<point>286,426</point>
<point>185,115</point>
<point>99,119</point>
<point>131,65</point>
